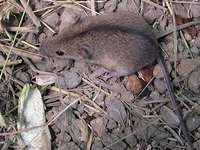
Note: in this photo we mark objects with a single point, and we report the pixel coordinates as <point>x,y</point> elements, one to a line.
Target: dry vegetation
<point>80,113</point>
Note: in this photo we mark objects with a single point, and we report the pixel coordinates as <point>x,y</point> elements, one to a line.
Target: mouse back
<point>122,42</point>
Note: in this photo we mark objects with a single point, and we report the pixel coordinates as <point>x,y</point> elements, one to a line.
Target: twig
<point>85,7</point>
<point>31,14</point>
<point>93,7</point>
<point>22,29</point>
<point>179,27</point>
<point>20,52</point>
<point>10,63</point>
<point>154,4</point>
<point>13,43</point>
<point>134,132</point>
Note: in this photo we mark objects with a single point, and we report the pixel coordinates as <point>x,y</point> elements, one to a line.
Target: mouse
<point>121,42</point>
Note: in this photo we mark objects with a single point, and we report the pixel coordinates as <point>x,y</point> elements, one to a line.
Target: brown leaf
<point>192,31</point>
<point>134,84</point>
<point>146,73</point>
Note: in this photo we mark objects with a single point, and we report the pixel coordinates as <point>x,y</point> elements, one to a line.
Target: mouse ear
<point>85,51</point>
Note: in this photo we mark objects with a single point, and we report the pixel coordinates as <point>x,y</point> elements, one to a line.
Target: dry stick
<point>16,5</point>
<point>179,27</point>
<point>13,43</point>
<point>186,2</point>
<point>85,7</point>
<point>154,4</point>
<point>141,92</point>
<point>22,29</point>
<point>29,11</point>
<point>10,63</point>
<point>20,52</point>
<point>93,7</point>
<point>174,134</point>
<point>62,111</point>
<point>186,44</point>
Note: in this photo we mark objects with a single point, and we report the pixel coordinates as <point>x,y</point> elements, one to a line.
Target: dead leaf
<point>116,110</point>
<point>146,73</point>
<point>169,116</point>
<point>194,81</point>
<point>2,121</point>
<point>98,126</point>
<point>45,79</point>
<point>31,114</point>
<point>192,31</point>
<point>81,130</point>
<point>134,84</point>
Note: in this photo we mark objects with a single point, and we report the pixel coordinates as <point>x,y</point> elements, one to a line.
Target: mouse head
<point>66,50</point>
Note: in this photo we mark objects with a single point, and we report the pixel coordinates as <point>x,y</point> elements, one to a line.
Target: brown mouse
<point>121,42</point>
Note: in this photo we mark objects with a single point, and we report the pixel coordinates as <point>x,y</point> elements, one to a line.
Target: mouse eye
<point>60,53</point>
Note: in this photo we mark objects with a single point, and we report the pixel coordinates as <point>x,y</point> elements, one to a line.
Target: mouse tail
<point>174,102</point>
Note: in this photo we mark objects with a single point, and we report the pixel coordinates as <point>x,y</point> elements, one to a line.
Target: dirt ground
<point>129,113</point>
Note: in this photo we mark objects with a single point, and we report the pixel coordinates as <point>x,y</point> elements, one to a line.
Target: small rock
<point>157,72</point>
<point>181,55</point>
<point>64,137</point>
<point>109,139</point>
<point>116,110</point>
<point>69,80</point>
<point>187,36</point>
<point>97,145</point>
<point>155,95</point>
<point>98,126</point>
<point>169,116</point>
<point>72,145</point>
<point>131,140</point>
<point>196,42</point>
<point>168,66</point>
<point>160,85</point>
<point>186,66</point>
<point>195,50</point>
<point>194,81</point>
<point>192,120</point>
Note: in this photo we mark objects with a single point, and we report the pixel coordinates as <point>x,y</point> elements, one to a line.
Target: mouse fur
<point>120,42</point>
